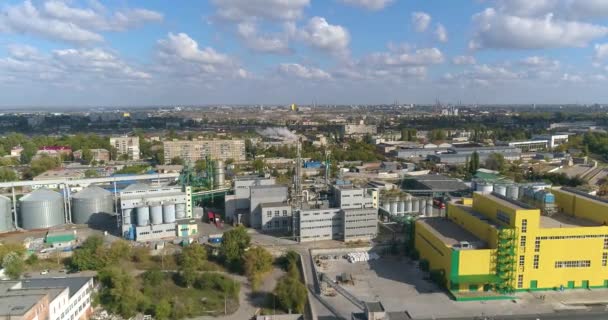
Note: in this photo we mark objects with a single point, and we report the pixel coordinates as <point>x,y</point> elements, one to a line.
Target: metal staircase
<point>506,259</point>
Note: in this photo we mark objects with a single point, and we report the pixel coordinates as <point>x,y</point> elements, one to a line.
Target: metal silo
<point>484,187</point>
<point>386,206</point>
<point>513,192</point>
<point>415,205</point>
<point>422,206</point>
<point>127,215</point>
<point>408,204</point>
<point>393,207</point>
<point>401,206</point>
<point>500,189</point>
<point>42,208</point>
<point>180,210</point>
<point>429,208</point>
<point>156,213</point>
<point>168,212</point>
<point>6,217</point>
<point>90,201</point>
<point>143,216</point>
<point>220,177</point>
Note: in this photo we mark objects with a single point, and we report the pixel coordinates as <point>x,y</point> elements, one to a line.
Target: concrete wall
<point>360,224</point>
<point>320,224</point>
<point>264,194</point>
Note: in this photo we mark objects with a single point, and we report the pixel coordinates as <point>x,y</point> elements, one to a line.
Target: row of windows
<point>361,227</point>
<point>320,227</point>
<point>524,225</point>
<point>277,213</point>
<point>503,217</point>
<point>362,220</point>
<point>573,264</point>
<point>360,235</point>
<point>604,259</point>
<point>320,220</point>
<point>574,237</point>
<point>277,224</point>
<point>535,262</point>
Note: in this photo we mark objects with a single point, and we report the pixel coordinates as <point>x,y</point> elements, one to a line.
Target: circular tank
<point>513,192</point>
<point>401,206</point>
<point>143,216</point>
<point>127,215</point>
<point>90,201</point>
<point>500,189</point>
<point>484,187</point>
<point>42,208</point>
<point>220,175</point>
<point>408,204</point>
<point>168,212</point>
<point>393,207</point>
<point>156,213</point>
<point>422,206</point>
<point>386,206</point>
<point>415,205</point>
<point>180,210</point>
<point>429,208</point>
<point>6,217</point>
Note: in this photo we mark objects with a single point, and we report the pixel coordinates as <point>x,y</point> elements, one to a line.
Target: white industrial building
<point>237,206</point>
<point>554,140</point>
<point>150,213</point>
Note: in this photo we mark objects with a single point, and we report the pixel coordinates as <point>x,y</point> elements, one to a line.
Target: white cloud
<point>183,47</point>
<point>462,60</point>
<point>303,72</point>
<point>369,4</point>
<point>567,77</point>
<point>540,62</point>
<point>420,57</point>
<point>567,9</point>
<point>319,34</point>
<point>421,21</point>
<point>441,33</point>
<point>56,20</point>
<point>601,51</point>
<point>249,34</point>
<point>240,10</point>
<point>499,30</point>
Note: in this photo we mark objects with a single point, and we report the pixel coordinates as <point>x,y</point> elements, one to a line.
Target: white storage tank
<point>220,175</point>
<point>6,214</point>
<point>415,205</point>
<point>513,192</point>
<point>393,207</point>
<point>180,210</point>
<point>386,206</point>
<point>429,208</point>
<point>89,202</point>
<point>143,216</point>
<point>408,204</point>
<point>42,208</point>
<point>484,187</point>
<point>423,206</point>
<point>500,189</point>
<point>127,216</point>
<point>156,213</point>
<point>169,212</point>
<point>401,207</point>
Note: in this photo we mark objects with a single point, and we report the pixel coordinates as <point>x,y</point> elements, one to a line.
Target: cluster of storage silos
<point>40,209</point>
<point>155,213</point>
<point>407,205</point>
<point>89,202</point>
<point>508,190</point>
<point>6,217</point>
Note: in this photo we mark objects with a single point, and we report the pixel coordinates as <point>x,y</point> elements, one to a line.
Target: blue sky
<point>119,52</point>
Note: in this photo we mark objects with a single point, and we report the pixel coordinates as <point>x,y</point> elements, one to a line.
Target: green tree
<point>496,161</point>
<point>13,265</point>
<point>87,156</point>
<point>6,248</point>
<point>162,310</point>
<point>258,261</point>
<point>291,294</point>
<point>42,164</point>
<point>258,165</point>
<point>193,256</point>
<point>7,174</point>
<point>474,166</point>
<point>90,255</point>
<point>119,293</point>
<point>200,165</point>
<point>153,277</point>
<point>91,173</point>
<point>177,161</point>
<point>232,249</point>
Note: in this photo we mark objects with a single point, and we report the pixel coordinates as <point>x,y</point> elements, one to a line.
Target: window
<point>284,213</point>
<point>605,243</point>
<point>522,261</point>
<point>524,225</point>
<point>503,217</point>
<point>604,259</point>
<point>276,213</point>
<point>535,261</point>
<point>573,264</point>
<point>522,242</point>
<point>537,244</point>
<point>268,214</point>
<point>520,281</point>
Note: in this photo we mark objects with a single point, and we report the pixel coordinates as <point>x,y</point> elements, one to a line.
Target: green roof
<point>60,238</point>
<point>491,177</point>
<point>476,278</point>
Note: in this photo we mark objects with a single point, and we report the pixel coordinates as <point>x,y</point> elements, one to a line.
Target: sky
<point>200,52</point>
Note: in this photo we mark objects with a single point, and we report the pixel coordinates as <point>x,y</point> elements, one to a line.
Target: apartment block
<point>191,151</point>
<point>126,146</point>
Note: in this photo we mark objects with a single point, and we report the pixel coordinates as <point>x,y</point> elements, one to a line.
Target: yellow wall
<point>581,206</point>
<point>432,249</point>
<point>475,262</point>
<point>479,228</point>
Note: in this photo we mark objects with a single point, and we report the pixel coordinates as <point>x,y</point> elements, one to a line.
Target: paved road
<point>580,315</point>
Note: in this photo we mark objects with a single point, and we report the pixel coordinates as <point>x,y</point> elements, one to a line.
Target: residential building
<point>358,129</point>
<point>99,155</point>
<point>128,146</point>
<point>191,151</point>
<point>65,298</point>
<point>16,151</point>
<point>60,152</point>
<point>491,243</point>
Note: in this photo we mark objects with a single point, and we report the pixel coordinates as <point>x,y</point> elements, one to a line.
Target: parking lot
<point>401,286</point>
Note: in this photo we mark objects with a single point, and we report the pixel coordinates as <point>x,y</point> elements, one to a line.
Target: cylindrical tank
<point>423,206</point>
<point>127,216</point>
<point>394,207</point>
<point>220,175</point>
<point>156,213</point>
<point>6,216</point>
<point>513,192</point>
<point>42,208</point>
<point>401,206</point>
<point>408,204</point>
<point>484,187</point>
<point>386,206</point>
<point>143,216</point>
<point>429,208</point>
<point>500,189</point>
<point>415,205</point>
<point>544,197</point>
<point>90,201</point>
<point>180,210</point>
<point>168,212</point>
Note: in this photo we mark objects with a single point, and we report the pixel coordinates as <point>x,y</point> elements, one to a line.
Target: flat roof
<point>450,233</point>
<point>74,283</point>
<point>561,220</point>
<point>438,182</point>
<point>274,204</point>
<point>585,195</point>
<point>513,204</point>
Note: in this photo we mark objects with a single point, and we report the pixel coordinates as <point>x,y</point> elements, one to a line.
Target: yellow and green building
<point>489,246</point>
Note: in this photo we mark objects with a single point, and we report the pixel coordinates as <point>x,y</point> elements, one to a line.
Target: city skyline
<point>91,53</point>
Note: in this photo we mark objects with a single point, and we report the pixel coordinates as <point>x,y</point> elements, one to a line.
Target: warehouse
<point>490,245</point>
<point>433,185</point>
